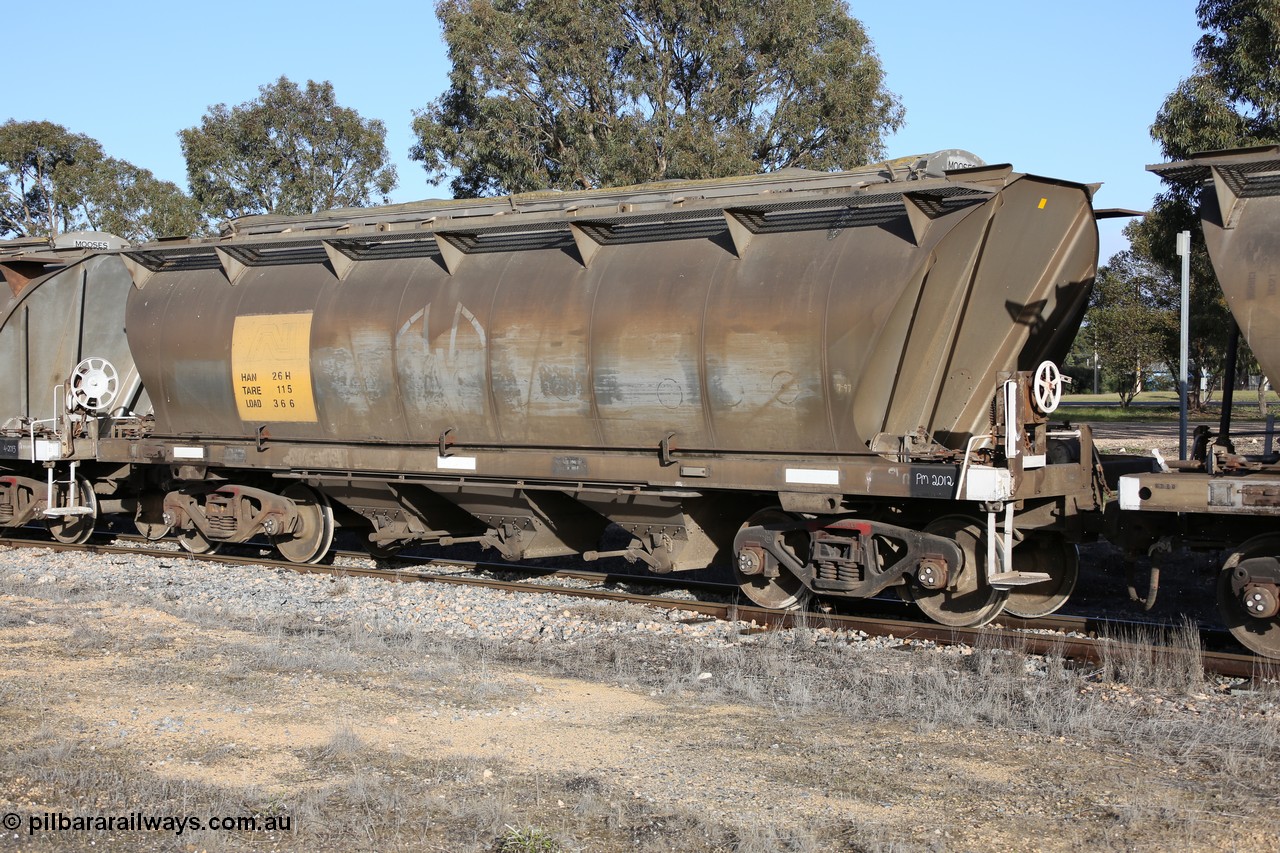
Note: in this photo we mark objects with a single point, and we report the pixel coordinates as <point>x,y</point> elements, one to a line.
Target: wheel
<point>786,591</point>
<point>74,529</point>
<point>93,386</point>
<point>1046,389</point>
<point>149,519</point>
<point>311,541</point>
<point>973,602</point>
<point>1261,636</point>
<point>1059,560</point>
<point>195,542</point>
<point>151,530</point>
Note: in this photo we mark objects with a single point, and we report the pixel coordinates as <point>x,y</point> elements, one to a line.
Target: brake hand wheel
<point>93,386</point>
<point>1046,389</point>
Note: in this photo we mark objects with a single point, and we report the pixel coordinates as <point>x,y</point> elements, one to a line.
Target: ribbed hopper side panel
<point>1004,290</point>
<point>1240,214</point>
<point>815,337</point>
<point>1246,258</point>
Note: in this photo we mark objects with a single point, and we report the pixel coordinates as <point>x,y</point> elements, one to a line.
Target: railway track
<point>1083,640</point>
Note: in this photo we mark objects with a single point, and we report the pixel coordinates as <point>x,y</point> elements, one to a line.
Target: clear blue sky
<point>1061,89</point>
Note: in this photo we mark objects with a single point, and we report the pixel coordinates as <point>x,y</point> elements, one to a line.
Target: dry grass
<point>919,727</point>
<point>1169,662</point>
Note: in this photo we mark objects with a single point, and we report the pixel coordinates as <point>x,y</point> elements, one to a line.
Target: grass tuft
<point>343,747</point>
<point>528,839</point>
<point>1172,663</point>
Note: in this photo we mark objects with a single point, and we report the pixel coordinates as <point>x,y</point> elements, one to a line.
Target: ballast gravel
<point>459,612</point>
<point>173,581</point>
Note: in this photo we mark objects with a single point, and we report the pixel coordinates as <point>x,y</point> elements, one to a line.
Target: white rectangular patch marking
<point>46,450</point>
<point>987,484</point>
<point>456,463</point>
<point>188,453</point>
<point>813,476</point>
<point>1130,488</point>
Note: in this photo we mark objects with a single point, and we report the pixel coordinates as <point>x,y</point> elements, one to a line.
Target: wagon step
<point>1006,580</point>
<point>68,510</point>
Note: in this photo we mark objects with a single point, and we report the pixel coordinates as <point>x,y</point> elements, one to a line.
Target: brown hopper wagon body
<point>827,382</point>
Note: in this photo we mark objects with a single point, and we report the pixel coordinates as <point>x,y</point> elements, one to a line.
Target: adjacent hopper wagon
<point>1222,498</point>
<point>67,369</point>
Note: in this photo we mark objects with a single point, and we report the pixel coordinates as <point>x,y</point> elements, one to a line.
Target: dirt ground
<point>118,707</point>
<point>1141,438</point>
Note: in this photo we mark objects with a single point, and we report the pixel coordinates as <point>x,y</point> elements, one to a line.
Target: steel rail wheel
<point>1259,635</point>
<point>195,542</point>
<point>74,529</point>
<point>786,591</point>
<point>1056,558</point>
<point>149,517</point>
<point>152,531</point>
<point>972,602</point>
<point>311,541</point>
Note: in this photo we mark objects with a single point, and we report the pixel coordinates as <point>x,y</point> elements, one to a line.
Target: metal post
<point>1229,381</point>
<point>1184,251</point>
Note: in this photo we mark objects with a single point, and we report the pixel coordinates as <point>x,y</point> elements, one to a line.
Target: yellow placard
<point>271,367</point>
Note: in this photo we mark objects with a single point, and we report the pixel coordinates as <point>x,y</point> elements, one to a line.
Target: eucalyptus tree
<point>291,151</point>
<point>1132,321</point>
<point>570,94</point>
<point>1231,99</point>
<point>53,181</point>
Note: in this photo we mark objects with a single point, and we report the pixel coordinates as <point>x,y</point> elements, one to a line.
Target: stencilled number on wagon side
<point>271,359</point>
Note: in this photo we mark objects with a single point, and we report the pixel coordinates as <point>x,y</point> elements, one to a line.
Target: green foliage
<point>54,181</point>
<point>1154,239</point>
<point>1132,321</point>
<point>292,151</point>
<point>529,839</point>
<point>585,93</point>
<point>133,203</point>
<point>1232,99</point>
<point>44,168</point>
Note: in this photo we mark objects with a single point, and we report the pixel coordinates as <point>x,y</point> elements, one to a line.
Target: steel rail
<point>1030,637</point>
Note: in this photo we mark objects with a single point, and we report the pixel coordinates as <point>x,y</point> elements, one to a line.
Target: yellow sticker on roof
<point>271,368</point>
